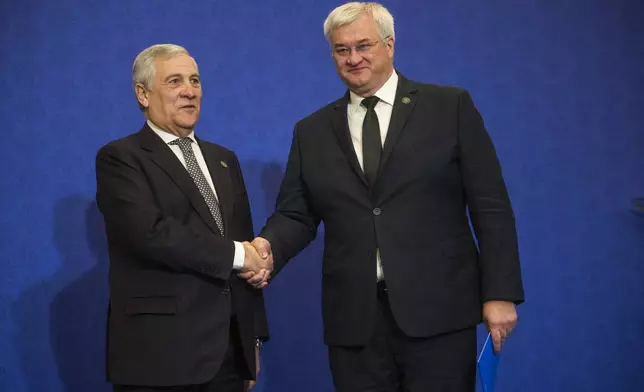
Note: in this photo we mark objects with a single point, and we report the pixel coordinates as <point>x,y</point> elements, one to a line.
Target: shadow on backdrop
<point>72,303</point>
<point>296,354</point>
<point>79,310</point>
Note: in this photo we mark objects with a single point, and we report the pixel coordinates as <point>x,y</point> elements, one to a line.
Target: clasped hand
<point>258,263</point>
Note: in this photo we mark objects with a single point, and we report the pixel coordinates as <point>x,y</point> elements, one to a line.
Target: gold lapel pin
<point>406,100</point>
<point>223,164</point>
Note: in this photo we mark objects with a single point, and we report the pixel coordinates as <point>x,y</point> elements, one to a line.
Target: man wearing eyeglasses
<point>392,168</point>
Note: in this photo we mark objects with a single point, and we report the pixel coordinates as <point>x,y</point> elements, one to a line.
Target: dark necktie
<point>185,144</point>
<point>371,143</point>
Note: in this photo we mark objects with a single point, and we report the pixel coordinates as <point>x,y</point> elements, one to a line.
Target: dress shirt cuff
<point>240,255</point>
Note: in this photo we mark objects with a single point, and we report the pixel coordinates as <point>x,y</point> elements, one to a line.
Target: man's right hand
<point>258,263</point>
<point>253,261</point>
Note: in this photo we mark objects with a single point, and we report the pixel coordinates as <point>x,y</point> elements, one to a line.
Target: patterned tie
<point>371,143</point>
<point>185,144</point>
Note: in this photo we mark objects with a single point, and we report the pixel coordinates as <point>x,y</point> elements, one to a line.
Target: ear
<point>390,46</point>
<point>142,95</point>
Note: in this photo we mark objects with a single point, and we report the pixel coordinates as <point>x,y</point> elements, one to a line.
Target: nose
<point>354,57</point>
<point>188,91</point>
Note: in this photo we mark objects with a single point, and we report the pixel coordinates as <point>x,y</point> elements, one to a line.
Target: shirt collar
<point>167,137</point>
<point>386,94</point>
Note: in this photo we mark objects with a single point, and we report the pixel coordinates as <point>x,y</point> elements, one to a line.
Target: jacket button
<point>376,211</point>
<point>226,291</point>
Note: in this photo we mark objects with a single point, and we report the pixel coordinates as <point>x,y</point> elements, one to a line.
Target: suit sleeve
<point>489,208</point>
<point>293,225</point>
<point>133,220</point>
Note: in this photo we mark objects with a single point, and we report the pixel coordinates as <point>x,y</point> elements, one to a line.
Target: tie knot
<point>183,142</point>
<point>370,102</point>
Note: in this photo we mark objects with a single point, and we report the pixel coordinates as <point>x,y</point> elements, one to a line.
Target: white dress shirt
<point>240,252</point>
<point>356,114</point>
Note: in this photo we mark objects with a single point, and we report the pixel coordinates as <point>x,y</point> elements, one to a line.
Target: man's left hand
<point>500,317</point>
<point>251,383</point>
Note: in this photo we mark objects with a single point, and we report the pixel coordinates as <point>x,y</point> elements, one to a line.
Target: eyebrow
<point>180,76</point>
<point>362,41</point>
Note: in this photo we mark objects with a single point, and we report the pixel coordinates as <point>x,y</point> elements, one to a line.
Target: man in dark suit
<point>392,168</point>
<point>177,217</point>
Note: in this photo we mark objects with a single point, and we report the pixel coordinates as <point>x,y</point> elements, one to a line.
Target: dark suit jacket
<point>438,162</point>
<point>171,287</point>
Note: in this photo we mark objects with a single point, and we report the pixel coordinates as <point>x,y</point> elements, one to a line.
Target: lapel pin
<point>406,100</point>
<point>223,164</point>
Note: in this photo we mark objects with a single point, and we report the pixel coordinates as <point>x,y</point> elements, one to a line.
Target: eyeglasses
<point>362,49</point>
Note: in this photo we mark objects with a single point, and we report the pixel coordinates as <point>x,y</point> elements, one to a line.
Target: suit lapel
<point>161,154</point>
<point>406,99</point>
<point>219,170</point>
<point>341,129</point>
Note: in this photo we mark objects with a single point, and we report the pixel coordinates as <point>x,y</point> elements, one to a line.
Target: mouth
<point>357,70</point>
<point>189,107</point>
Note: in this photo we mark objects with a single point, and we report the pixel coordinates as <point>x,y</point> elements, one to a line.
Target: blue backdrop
<point>559,84</point>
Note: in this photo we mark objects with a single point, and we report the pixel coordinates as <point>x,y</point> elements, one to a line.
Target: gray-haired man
<point>177,217</point>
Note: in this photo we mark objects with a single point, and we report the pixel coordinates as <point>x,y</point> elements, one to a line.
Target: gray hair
<point>350,12</point>
<point>143,69</point>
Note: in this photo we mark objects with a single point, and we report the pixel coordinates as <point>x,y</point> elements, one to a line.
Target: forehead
<point>180,64</point>
<point>363,28</point>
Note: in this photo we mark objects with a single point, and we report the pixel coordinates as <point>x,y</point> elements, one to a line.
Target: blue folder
<point>487,363</point>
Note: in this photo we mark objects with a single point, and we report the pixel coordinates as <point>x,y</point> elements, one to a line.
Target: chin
<point>355,83</point>
<point>186,122</point>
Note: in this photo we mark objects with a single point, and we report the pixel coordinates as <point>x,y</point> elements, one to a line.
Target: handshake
<point>258,263</point>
